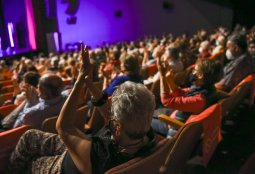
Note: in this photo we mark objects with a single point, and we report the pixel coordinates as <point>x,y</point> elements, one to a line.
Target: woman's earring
<point>117,130</point>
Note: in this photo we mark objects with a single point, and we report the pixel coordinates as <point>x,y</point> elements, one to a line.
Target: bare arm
<point>78,145</point>
<point>167,83</point>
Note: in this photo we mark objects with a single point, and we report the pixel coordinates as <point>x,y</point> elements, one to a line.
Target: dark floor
<point>238,143</point>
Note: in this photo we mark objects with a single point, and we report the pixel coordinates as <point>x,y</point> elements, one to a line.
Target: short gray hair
<point>133,105</point>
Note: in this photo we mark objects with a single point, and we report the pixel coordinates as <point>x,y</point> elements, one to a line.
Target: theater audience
<point>45,103</point>
<point>126,134</point>
<point>186,101</point>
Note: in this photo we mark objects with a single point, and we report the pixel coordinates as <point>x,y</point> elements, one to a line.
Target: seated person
<point>126,135</point>
<point>171,56</point>
<point>186,101</point>
<point>131,72</point>
<point>31,78</point>
<point>45,103</point>
<point>240,64</point>
<point>204,49</point>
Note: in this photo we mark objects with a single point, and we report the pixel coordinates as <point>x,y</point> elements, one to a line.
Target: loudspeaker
<point>54,42</point>
<point>118,13</point>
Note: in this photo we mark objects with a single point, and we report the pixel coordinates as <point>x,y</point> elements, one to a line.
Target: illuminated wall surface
<point>14,11</point>
<point>96,21</point>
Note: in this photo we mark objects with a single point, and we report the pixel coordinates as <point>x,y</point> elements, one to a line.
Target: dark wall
<point>244,12</point>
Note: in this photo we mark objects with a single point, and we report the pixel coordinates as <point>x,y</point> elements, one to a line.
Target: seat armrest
<point>170,121</point>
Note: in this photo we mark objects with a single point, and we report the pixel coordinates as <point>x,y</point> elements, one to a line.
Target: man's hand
<point>31,94</point>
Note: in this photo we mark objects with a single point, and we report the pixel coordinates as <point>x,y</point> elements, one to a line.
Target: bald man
<point>44,103</point>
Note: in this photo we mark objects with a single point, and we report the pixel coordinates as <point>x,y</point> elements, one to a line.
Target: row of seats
<point>169,154</point>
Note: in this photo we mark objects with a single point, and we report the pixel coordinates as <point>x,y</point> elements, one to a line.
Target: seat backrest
<point>5,110</point>
<point>187,138</point>
<point>8,141</point>
<point>5,82</point>
<point>210,119</point>
<point>246,81</point>
<point>5,96</point>
<point>49,124</point>
<point>7,88</point>
<point>149,164</point>
<point>236,95</point>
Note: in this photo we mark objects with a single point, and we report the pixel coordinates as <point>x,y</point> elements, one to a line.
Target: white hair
<point>133,105</point>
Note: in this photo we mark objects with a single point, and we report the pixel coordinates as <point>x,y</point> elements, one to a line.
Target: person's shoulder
<point>121,78</point>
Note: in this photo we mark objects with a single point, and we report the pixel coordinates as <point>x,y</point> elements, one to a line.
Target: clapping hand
<point>85,68</point>
<point>162,66</point>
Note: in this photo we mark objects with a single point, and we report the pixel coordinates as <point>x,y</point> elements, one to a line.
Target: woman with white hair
<point>126,134</point>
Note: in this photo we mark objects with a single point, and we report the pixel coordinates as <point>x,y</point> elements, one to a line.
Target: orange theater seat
<point>8,141</point>
<point>6,96</point>
<point>210,121</point>
<point>5,82</point>
<point>5,110</point>
<point>248,79</point>
<point>7,88</point>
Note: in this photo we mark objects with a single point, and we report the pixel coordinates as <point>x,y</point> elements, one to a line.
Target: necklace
<point>130,148</point>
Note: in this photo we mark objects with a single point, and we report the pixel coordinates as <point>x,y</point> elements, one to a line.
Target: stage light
<point>11,31</point>
<point>56,40</point>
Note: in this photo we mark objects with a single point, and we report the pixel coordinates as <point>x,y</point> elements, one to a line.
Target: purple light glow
<point>30,24</point>
<point>96,22</point>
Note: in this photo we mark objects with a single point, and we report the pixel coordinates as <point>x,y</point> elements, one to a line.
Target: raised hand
<point>162,66</point>
<point>85,62</point>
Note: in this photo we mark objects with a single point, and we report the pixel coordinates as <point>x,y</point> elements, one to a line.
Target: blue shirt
<point>34,115</point>
<point>119,80</point>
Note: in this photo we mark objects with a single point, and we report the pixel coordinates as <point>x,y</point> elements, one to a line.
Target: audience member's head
<point>130,65</point>
<point>207,72</point>
<point>172,53</point>
<point>236,45</point>
<point>50,86</point>
<point>252,47</point>
<point>204,46</point>
<point>129,112</point>
<point>31,78</point>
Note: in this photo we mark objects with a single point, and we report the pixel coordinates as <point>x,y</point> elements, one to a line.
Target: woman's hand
<point>85,63</point>
<point>85,72</point>
<point>170,74</point>
<point>162,67</point>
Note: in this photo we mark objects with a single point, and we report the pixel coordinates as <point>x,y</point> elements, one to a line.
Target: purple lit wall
<point>14,11</point>
<point>96,21</point>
